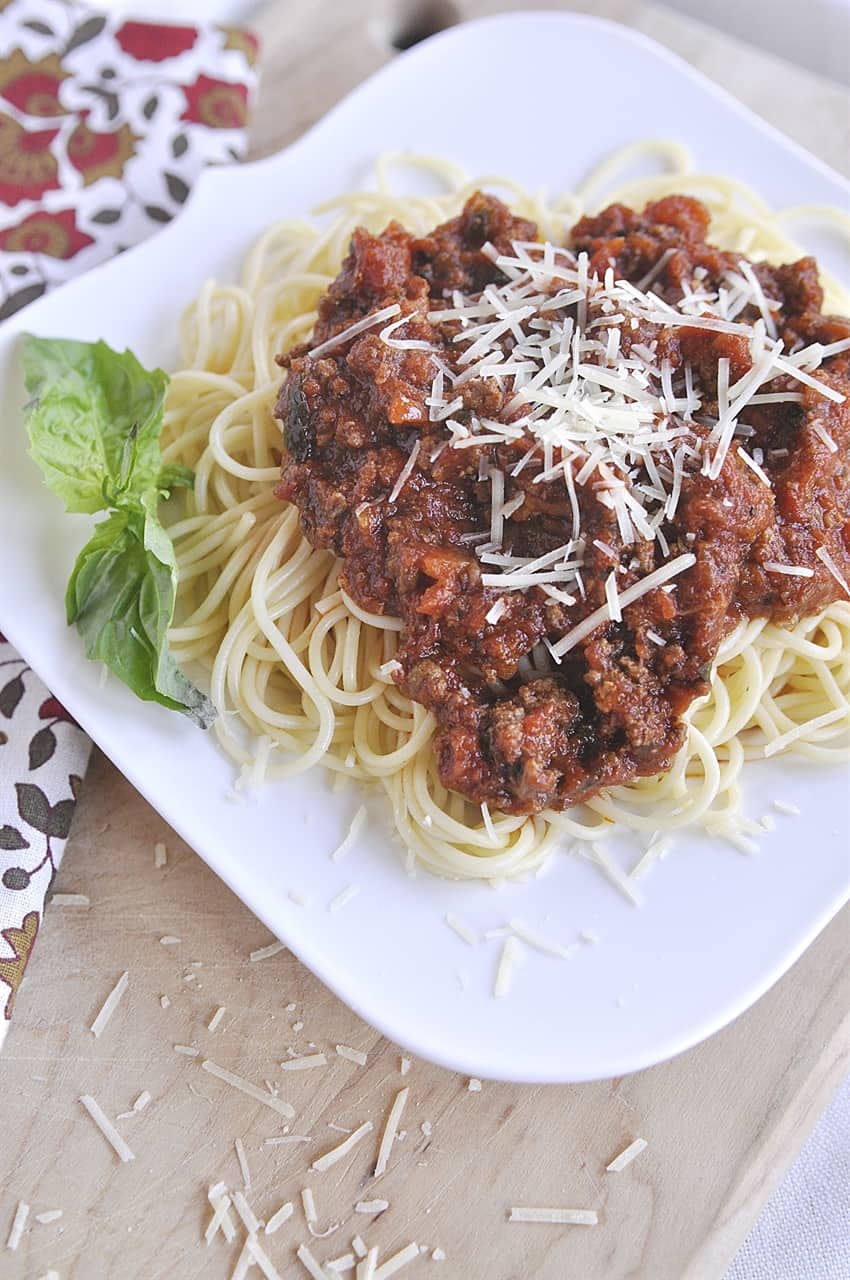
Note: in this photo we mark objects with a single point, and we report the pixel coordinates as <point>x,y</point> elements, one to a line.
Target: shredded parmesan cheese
<point>510,954</point>
<point>823,554</point>
<point>251,1090</point>
<point>352,1055</point>
<point>359,326</point>
<point>50,1215</point>
<point>473,1085</point>
<point>110,1005</point>
<point>18,1223</point>
<point>305,1062</point>
<point>404,474</point>
<point>283,1214</point>
<point>627,1156</point>
<point>353,832</point>
<point>342,899</point>
<point>70,900</point>
<point>243,1164</point>
<point>160,854</point>
<point>366,1266</point>
<point>107,1128</point>
<point>170,941</point>
<point>309,1263</point>
<point>539,942</point>
<point>309,1205</point>
<point>216,1018</point>
<point>572,1217</point>
<point>250,1220</point>
<point>262,1259</point>
<point>785,806</point>
<point>265,953</point>
<point>397,1261</point>
<point>338,1152</point>
<point>462,930</point>
<point>371,1206</point>
<point>390,1130</point>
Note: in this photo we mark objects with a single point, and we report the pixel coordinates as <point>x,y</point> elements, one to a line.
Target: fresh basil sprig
<point>94,418</point>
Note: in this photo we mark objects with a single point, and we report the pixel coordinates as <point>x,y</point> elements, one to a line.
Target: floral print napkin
<point>105,123</point>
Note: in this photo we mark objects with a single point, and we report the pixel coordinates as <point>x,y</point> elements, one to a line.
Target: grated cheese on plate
<point>353,832</point>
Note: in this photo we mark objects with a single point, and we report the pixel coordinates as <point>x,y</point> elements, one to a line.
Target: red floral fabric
<point>104,125</point>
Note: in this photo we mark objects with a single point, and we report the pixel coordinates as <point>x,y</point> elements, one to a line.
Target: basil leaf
<point>175,476</point>
<point>121,597</point>
<point>94,418</point>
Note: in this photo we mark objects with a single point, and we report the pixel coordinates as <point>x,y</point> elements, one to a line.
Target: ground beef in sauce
<point>611,712</point>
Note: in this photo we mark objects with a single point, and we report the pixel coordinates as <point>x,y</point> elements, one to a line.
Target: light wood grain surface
<point>723,1121</point>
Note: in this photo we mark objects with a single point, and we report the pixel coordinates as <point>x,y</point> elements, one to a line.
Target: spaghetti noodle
<point>303,676</point>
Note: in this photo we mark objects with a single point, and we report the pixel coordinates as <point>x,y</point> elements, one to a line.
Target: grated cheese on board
<point>371,1206</point>
<point>309,1263</point>
<point>110,1004</point>
<point>342,1149</point>
<point>18,1223</point>
<point>160,854</point>
<point>250,1221</point>
<point>305,1062</point>
<point>627,1156</point>
<point>397,1261</point>
<point>216,1018</point>
<point>49,1215</point>
<point>265,953</point>
<point>107,1128</point>
<point>70,900</point>
<point>366,1265</point>
<point>571,1217</point>
<point>309,1205</point>
<point>283,1214</point>
<point>351,1055</point>
<point>390,1130</point>
<point>251,1090</point>
<point>243,1164</point>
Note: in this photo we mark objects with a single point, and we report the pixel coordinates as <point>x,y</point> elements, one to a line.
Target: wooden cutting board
<point>722,1122</point>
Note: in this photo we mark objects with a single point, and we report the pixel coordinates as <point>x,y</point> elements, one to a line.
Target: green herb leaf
<point>94,419</point>
<point>121,597</point>
<point>175,476</point>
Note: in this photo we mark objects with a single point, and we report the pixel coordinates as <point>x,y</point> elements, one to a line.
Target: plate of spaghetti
<point>492,517</point>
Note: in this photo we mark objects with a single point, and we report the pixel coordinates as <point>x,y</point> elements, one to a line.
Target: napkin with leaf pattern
<point>105,123</point>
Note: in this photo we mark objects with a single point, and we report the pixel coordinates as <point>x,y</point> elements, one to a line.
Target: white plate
<point>541,97</point>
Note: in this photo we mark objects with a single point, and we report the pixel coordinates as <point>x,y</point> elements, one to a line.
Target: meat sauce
<point>519,738</point>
